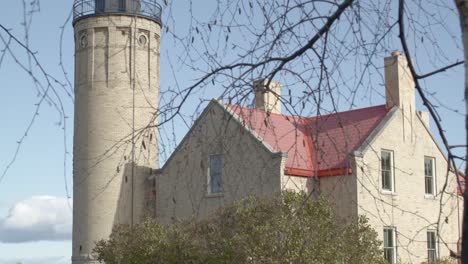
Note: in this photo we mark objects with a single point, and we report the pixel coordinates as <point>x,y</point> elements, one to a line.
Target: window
<point>214,174</point>
<point>142,40</point>
<point>431,246</point>
<point>429,175</point>
<point>100,6</point>
<point>389,245</point>
<point>84,40</point>
<point>122,5</point>
<point>386,166</point>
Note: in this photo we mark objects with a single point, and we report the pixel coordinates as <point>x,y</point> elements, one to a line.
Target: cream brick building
<point>381,162</point>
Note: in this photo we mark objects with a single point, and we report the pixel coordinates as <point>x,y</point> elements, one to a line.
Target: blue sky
<point>38,169</point>
<point>34,189</point>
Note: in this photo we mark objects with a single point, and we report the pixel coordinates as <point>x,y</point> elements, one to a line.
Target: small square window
<point>431,246</point>
<point>429,175</point>
<point>386,168</point>
<point>389,246</point>
<point>215,174</point>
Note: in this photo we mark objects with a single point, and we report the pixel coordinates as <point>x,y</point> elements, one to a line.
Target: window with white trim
<point>429,175</point>
<point>389,246</point>
<point>215,174</point>
<point>431,246</point>
<point>386,168</point>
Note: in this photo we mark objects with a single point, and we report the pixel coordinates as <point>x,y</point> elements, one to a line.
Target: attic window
<point>429,175</point>
<point>215,169</point>
<point>386,168</point>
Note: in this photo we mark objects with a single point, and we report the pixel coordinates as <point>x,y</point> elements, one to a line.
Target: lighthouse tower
<point>116,109</point>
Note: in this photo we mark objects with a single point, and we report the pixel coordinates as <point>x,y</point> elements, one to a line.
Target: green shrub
<point>289,228</point>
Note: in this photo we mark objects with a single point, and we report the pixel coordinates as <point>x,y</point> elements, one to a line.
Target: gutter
<point>321,173</point>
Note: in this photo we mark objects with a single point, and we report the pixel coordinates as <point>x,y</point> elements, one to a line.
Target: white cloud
<point>37,218</point>
<point>48,260</point>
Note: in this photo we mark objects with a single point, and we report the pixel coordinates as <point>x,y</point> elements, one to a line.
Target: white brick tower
<point>116,104</point>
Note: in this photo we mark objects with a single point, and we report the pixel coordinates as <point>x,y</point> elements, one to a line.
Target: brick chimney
<point>399,84</point>
<point>267,99</point>
<point>400,91</point>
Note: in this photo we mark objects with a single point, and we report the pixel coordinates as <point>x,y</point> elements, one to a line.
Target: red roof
<point>313,144</point>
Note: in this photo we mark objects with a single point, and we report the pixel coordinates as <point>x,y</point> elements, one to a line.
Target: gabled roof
<point>314,144</point>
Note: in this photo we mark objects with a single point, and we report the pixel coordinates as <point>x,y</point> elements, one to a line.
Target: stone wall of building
<point>248,168</point>
<point>340,192</point>
<point>408,209</point>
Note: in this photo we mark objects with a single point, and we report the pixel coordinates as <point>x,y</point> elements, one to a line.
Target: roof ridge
<point>345,112</point>
<point>306,117</point>
<point>267,113</point>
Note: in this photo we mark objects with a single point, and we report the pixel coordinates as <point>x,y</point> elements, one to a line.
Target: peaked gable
<point>211,105</point>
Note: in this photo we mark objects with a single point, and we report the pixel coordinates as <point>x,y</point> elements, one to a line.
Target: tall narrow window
<point>431,246</point>
<point>215,173</point>
<point>429,175</point>
<point>386,166</point>
<point>389,245</point>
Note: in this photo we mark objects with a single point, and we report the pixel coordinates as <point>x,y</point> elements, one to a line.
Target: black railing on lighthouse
<point>145,8</point>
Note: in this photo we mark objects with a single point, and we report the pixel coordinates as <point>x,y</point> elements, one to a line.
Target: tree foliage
<point>289,228</point>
